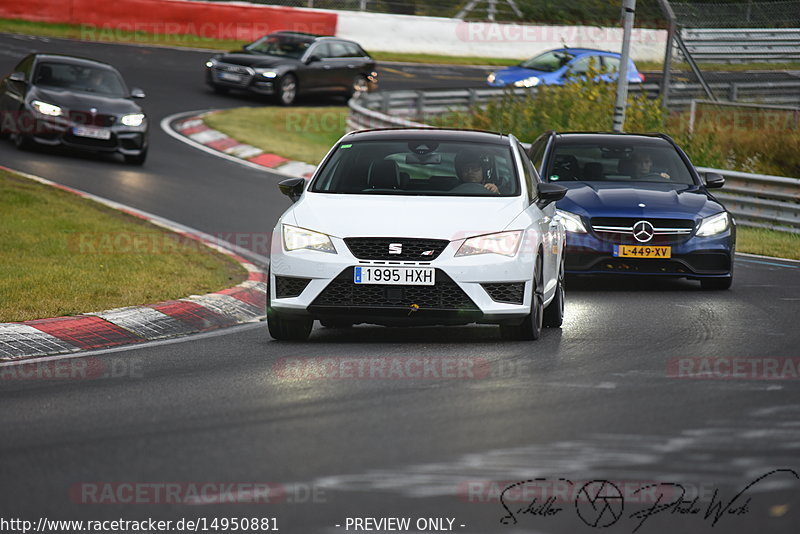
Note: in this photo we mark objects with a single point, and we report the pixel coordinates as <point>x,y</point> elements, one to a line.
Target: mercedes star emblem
<point>643,231</point>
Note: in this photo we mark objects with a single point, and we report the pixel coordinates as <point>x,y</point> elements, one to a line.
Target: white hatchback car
<point>419,227</point>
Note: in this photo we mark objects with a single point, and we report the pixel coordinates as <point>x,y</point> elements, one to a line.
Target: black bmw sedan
<point>53,99</point>
<point>285,65</point>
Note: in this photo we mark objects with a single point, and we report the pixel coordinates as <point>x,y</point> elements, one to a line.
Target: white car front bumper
<point>458,297</point>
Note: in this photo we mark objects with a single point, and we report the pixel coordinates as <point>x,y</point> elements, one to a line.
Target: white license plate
<point>94,133</point>
<point>397,276</point>
<point>230,77</point>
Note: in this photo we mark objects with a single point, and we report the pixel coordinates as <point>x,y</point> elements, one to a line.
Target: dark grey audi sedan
<point>53,99</point>
<point>285,65</point>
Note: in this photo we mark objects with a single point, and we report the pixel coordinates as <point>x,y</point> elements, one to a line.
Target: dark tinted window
<point>353,50</point>
<point>338,49</point>
<point>25,66</point>
<point>537,151</point>
<point>623,160</point>
<point>423,167</point>
<point>85,78</point>
<point>611,64</point>
<point>322,51</point>
<point>582,64</point>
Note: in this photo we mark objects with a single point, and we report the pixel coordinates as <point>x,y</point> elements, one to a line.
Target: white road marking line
<point>147,344</point>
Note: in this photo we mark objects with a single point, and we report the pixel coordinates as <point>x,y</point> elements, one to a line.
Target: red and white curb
<point>198,313</point>
<point>190,128</point>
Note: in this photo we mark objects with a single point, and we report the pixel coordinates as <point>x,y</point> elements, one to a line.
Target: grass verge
<point>298,133</point>
<point>768,242</point>
<point>61,254</point>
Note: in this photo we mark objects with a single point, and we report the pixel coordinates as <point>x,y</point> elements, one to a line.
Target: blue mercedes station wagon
<point>636,205</point>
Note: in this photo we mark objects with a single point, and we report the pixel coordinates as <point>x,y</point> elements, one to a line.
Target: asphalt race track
<point>600,399</point>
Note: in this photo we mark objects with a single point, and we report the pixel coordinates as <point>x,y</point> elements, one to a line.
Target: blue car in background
<point>557,66</point>
<point>635,205</point>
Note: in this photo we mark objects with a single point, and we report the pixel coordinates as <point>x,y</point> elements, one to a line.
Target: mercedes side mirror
<point>17,77</point>
<point>549,193</point>
<point>293,188</point>
<point>714,180</point>
<point>312,59</point>
<point>137,93</point>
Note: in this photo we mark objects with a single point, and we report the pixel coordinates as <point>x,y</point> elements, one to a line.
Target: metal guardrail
<point>742,45</point>
<point>756,200</point>
<point>761,200</point>
<point>420,103</point>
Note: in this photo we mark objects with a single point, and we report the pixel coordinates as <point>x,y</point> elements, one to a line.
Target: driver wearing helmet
<point>470,170</point>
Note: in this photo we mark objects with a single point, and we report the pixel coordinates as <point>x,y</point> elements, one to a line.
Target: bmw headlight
<point>572,223</point>
<point>295,238</point>
<point>533,81</point>
<point>266,73</point>
<point>491,78</point>
<point>716,224</point>
<point>503,243</point>
<point>134,119</point>
<point>51,110</point>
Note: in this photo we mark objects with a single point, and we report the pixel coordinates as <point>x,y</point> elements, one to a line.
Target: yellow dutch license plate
<point>642,251</point>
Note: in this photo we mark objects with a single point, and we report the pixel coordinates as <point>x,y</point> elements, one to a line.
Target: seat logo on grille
<point>395,248</point>
<point>643,231</point>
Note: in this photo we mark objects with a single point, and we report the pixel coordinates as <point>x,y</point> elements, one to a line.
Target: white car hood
<point>442,217</point>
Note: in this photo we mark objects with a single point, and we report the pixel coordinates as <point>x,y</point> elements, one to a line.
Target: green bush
<point>581,105</point>
<point>766,144</point>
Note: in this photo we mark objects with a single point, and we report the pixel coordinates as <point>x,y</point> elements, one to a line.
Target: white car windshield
<point>419,167</point>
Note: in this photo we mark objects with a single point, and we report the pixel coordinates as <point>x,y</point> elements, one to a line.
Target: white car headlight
<point>533,81</point>
<point>503,243</point>
<point>44,108</point>
<point>134,119</point>
<point>490,78</point>
<point>295,238</point>
<point>211,62</point>
<point>267,73</point>
<point>716,224</point>
<point>572,223</point>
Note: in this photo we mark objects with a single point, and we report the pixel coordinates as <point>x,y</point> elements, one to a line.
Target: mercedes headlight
<point>134,119</point>
<point>716,224</point>
<point>295,238</point>
<point>572,223</point>
<point>491,78</point>
<point>51,110</point>
<point>266,73</point>
<point>503,243</point>
<point>533,81</point>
